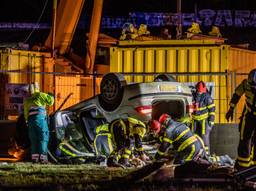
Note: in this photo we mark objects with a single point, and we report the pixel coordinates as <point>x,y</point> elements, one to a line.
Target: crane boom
<point>68,14</point>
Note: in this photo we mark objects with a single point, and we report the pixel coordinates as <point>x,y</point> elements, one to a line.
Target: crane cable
<point>37,22</point>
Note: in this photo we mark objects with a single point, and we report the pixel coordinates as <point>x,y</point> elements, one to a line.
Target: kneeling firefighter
<point>102,143</point>
<point>125,133</point>
<point>187,146</point>
<point>36,118</point>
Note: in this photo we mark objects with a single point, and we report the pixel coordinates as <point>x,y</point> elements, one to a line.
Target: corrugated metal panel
<point>241,61</point>
<point>187,56</point>
<point>81,87</point>
<point>19,66</point>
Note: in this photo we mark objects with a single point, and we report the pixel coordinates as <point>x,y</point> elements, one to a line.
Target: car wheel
<point>164,77</point>
<point>111,91</point>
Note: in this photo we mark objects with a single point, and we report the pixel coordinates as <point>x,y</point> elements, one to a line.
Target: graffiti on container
<point>205,17</point>
<point>15,95</point>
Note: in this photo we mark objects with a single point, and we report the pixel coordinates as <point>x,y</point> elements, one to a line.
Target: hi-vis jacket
<point>38,99</point>
<point>132,128</point>
<point>178,135</point>
<point>204,108</point>
<point>250,102</point>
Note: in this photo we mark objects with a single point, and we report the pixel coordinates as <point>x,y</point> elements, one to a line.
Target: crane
<point>65,20</point>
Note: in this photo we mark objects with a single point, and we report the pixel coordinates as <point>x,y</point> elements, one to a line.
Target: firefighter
<point>187,146</point>
<point>36,118</point>
<point>203,115</point>
<point>247,120</point>
<point>126,133</point>
<point>102,142</point>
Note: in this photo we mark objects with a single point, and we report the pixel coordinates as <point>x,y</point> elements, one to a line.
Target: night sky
<point>30,10</point>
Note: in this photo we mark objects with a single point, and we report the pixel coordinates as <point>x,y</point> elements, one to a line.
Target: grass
<point>28,176</point>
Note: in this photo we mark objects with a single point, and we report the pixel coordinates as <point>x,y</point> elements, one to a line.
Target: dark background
<point>30,11</point>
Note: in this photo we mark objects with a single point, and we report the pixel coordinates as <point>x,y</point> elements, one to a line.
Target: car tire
<point>164,77</point>
<point>111,91</point>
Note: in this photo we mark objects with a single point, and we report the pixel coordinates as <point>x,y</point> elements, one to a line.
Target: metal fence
<point>80,87</point>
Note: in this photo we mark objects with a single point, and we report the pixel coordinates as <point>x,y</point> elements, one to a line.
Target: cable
<point>37,22</point>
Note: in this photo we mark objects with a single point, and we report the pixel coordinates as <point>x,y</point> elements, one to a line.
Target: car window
<point>91,119</point>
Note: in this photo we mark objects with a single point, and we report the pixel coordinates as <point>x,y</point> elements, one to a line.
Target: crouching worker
<point>124,133</point>
<point>102,143</point>
<point>186,145</point>
<point>36,118</point>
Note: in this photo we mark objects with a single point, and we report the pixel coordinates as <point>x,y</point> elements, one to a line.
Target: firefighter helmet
<point>155,126</point>
<point>164,117</point>
<point>201,87</point>
<point>252,78</point>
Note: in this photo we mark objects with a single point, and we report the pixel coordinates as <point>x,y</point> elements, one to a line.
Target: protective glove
<point>230,114</point>
<point>144,157</point>
<point>211,123</point>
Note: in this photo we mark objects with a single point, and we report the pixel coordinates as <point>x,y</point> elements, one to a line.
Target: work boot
<point>238,168</point>
<point>125,162</point>
<point>112,162</point>
<point>43,159</point>
<point>35,158</point>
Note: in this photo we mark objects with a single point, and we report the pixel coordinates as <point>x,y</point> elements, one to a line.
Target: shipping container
<point>177,56</point>
<point>80,88</point>
<point>23,67</point>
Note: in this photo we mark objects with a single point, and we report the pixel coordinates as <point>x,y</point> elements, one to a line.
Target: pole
<point>179,24</point>
<point>54,15</point>
<point>93,35</point>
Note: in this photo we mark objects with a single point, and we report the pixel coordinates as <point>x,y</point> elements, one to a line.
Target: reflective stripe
<point>193,126</point>
<point>136,122</point>
<point>247,159</point>
<point>167,140</point>
<point>95,145</point>
<point>243,125</point>
<point>211,122</point>
<point>139,149</point>
<point>36,112</point>
<point>181,135</point>
<point>103,127</point>
<point>211,106</point>
<point>244,164</point>
<point>186,143</point>
<point>212,113</point>
<point>67,151</point>
<point>109,142</point>
<point>189,158</point>
<point>127,151</point>
<point>160,152</point>
<point>200,117</point>
<point>253,163</point>
<point>125,156</point>
<point>203,127</point>
<point>34,108</point>
<point>201,141</point>
<point>201,108</point>
<point>110,145</point>
<point>35,156</point>
<point>74,150</point>
<point>232,105</point>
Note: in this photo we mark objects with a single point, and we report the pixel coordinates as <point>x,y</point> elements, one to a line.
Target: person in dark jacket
<point>125,134</point>
<point>246,153</point>
<point>203,115</point>
<point>187,146</point>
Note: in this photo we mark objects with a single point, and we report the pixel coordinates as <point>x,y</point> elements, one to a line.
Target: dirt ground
<point>28,176</point>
